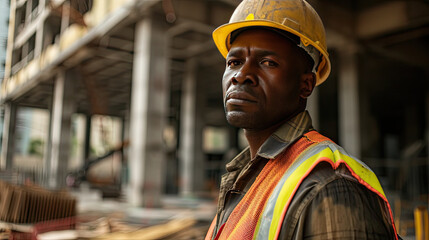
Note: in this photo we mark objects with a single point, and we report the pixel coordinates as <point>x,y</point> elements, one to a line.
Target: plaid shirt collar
<point>277,142</point>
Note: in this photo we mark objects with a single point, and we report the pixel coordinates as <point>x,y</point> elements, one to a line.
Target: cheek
<point>224,88</point>
<point>283,92</point>
<point>226,81</point>
<point>227,74</point>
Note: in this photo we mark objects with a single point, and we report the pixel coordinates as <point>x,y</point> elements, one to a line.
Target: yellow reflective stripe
<point>363,174</point>
<point>361,170</point>
<point>287,190</point>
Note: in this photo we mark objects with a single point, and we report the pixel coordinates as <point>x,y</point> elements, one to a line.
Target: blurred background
<point>119,102</point>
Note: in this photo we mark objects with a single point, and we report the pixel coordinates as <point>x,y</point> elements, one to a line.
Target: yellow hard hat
<point>293,16</point>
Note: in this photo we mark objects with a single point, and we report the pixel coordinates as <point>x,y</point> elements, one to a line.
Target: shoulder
<point>331,204</point>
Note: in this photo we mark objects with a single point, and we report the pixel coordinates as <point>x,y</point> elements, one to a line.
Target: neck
<point>257,137</point>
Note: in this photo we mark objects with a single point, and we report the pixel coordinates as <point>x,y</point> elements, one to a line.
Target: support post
<point>65,17</point>
<point>8,141</point>
<point>88,127</point>
<point>47,149</point>
<point>38,46</point>
<point>427,128</point>
<point>349,132</point>
<point>63,108</point>
<point>187,122</point>
<point>149,97</point>
<point>313,107</point>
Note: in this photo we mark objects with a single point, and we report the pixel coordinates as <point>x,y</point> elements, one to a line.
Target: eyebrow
<point>234,52</point>
<point>258,52</point>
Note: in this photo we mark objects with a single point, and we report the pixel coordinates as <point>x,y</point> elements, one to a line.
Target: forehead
<point>262,39</point>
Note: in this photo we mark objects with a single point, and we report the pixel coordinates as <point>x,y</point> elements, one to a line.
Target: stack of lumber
<point>9,176</point>
<point>30,204</point>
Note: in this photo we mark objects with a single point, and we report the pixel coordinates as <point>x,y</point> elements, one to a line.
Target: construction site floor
<point>121,216</point>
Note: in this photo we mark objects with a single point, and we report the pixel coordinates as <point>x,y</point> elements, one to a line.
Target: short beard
<point>245,121</point>
<point>238,119</point>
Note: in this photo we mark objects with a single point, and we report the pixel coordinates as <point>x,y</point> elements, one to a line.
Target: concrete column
<point>63,108</point>
<point>149,98</point>
<point>38,45</point>
<point>427,127</point>
<point>28,11</point>
<point>187,129</point>
<point>313,107</point>
<point>65,17</point>
<point>47,149</point>
<point>125,151</point>
<point>348,94</point>
<point>199,164</point>
<point>10,39</point>
<point>87,148</point>
<point>8,141</point>
<point>42,4</point>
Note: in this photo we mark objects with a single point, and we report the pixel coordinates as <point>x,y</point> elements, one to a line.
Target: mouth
<point>239,98</point>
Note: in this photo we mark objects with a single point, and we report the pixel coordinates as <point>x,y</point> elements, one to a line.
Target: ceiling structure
<point>105,61</point>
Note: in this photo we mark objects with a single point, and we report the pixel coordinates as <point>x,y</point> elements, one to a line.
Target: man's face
<point>261,86</point>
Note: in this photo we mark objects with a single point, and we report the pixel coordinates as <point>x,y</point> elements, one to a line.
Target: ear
<point>307,83</point>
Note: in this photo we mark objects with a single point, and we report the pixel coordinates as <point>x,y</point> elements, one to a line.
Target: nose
<point>245,75</point>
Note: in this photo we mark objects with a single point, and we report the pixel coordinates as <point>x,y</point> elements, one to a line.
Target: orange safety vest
<point>260,214</point>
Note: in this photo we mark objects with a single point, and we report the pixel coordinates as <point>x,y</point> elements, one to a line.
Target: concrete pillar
<point>187,129</point>
<point>65,17</point>
<point>125,151</point>
<point>47,150</point>
<point>427,127</point>
<point>42,4</point>
<point>87,146</point>
<point>313,107</point>
<point>38,46</point>
<point>199,165</point>
<point>10,39</point>
<point>8,141</point>
<point>63,108</point>
<point>28,11</point>
<point>149,98</point>
<point>348,94</point>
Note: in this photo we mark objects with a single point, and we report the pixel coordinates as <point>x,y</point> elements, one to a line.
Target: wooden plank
<point>154,232</point>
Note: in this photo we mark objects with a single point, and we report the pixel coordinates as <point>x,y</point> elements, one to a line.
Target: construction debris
<point>111,229</point>
<point>31,204</point>
<point>31,212</point>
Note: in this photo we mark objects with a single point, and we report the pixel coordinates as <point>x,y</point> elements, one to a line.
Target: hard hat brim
<point>221,37</point>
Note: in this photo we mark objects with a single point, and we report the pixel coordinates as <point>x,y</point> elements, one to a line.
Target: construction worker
<point>291,182</point>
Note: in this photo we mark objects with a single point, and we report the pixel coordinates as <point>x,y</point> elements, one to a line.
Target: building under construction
<point>152,64</point>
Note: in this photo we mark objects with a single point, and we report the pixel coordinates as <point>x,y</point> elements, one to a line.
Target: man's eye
<point>232,63</point>
<point>269,63</point>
